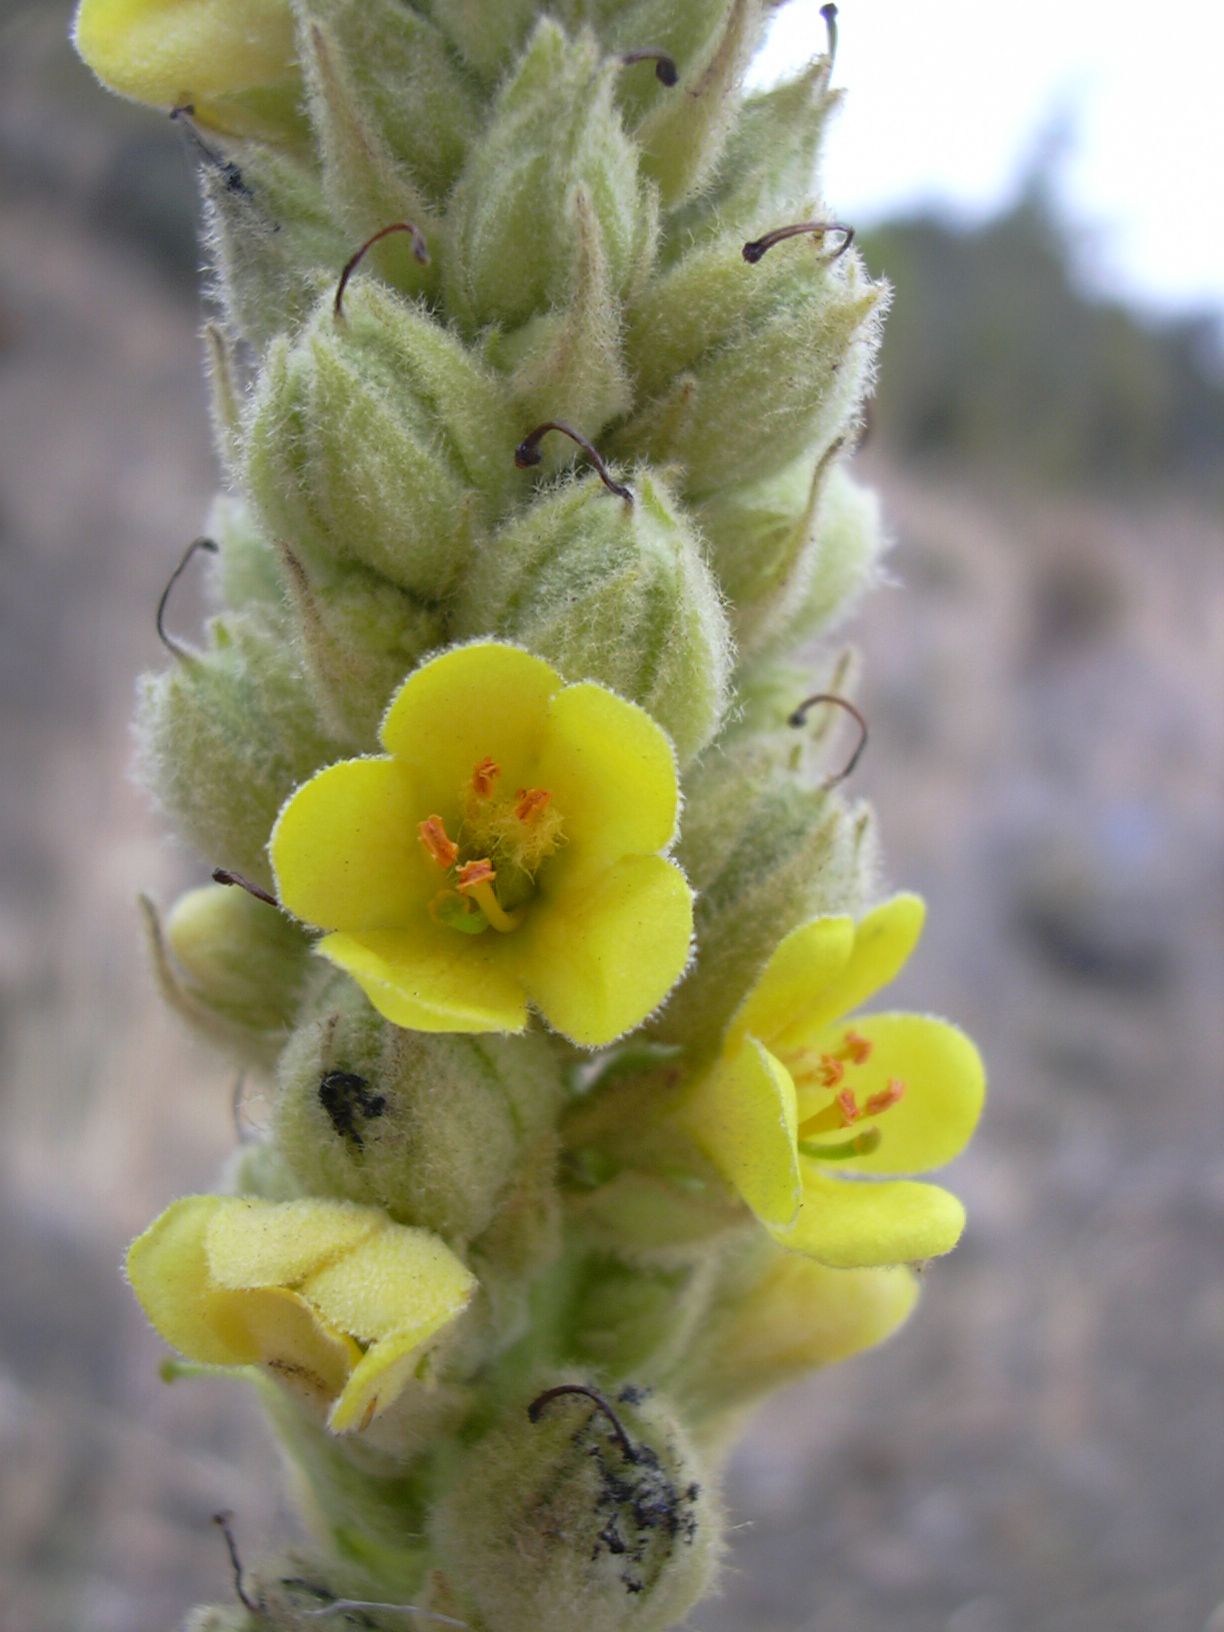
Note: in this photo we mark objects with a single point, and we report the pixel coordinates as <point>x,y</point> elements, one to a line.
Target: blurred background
<point>1043,1449</point>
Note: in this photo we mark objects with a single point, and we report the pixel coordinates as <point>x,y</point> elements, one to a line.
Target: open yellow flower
<point>506,850</point>
<point>232,61</point>
<point>805,1110</point>
<point>332,1298</point>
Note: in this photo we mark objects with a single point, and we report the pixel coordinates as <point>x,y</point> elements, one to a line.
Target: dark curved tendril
<point>666,71</point>
<point>799,717</point>
<point>171,645</point>
<point>528,453</point>
<point>222,1522</point>
<point>829,13</point>
<point>757,247</point>
<point>224,875</point>
<point>535,1409</point>
<point>419,248</point>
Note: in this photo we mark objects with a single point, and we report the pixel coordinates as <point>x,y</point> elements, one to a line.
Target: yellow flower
<point>231,60</point>
<point>801,1102</point>
<point>332,1298</point>
<point>505,851</point>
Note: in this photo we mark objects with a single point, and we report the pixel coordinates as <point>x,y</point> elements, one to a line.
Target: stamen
<point>858,1048</point>
<point>848,1106</point>
<point>528,454</point>
<point>799,717</point>
<point>666,71</point>
<point>537,1405</point>
<point>173,646</point>
<point>476,880</point>
<point>483,777</point>
<point>756,248</point>
<point>862,1144</point>
<point>419,249</point>
<point>438,843</point>
<point>879,1103</point>
<point>830,1071</point>
<point>224,875</point>
<point>475,873</point>
<point>532,803</point>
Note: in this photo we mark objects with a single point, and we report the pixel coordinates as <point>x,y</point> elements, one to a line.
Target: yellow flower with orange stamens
<point>507,851</point>
<point>809,1115</point>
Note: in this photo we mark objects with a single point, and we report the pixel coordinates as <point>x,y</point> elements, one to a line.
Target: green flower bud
<point>765,851</point>
<point>378,438</point>
<point>244,572</point>
<point>360,637</point>
<point>433,1128</point>
<point>687,32</point>
<point>416,103</point>
<point>636,1319</point>
<point>224,737</point>
<point>844,556</point>
<point>271,238</point>
<point>486,38</point>
<point>242,960</point>
<point>746,367</point>
<point>511,222</point>
<point>609,590</point>
<point>578,1511</point>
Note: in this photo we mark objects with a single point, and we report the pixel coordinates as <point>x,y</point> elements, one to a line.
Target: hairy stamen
<point>528,453</point>
<point>419,249</point>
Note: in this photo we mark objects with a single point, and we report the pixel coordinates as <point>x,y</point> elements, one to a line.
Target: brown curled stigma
<point>224,875</point>
<point>666,71</point>
<point>799,717</point>
<point>536,1408</point>
<point>222,1522</point>
<point>756,248</point>
<point>528,454</point>
<point>829,13</point>
<point>419,248</point>
<point>172,645</point>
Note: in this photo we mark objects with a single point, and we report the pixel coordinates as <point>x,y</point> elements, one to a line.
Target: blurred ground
<point>1043,1449</point>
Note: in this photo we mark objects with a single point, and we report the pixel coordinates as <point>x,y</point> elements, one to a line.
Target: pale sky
<point>947,99</point>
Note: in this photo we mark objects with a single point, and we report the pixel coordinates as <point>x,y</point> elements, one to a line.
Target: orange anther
<point>858,1049</point>
<point>483,777</point>
<point>475,873</point>
<point>532,802</point>
<point>886,1097</point>
<point>848,1106</point>
<point>830,1071</point>
<point>441,847</point>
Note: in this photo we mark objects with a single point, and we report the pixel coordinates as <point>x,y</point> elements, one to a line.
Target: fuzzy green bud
<point>485,40</point>
<point>612,590</point>
<point>434,1128</point>
<point>511,222</point>
<point>242,959</point>
<point>377,437</point>
<point>578,1511</point>
<point>746,367</point>
<point>244,571</point>
<point>842,560</point>
<point>224,737</point>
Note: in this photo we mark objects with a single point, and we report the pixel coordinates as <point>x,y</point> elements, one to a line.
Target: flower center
<point>835,1071</point>
<point>491,866</point>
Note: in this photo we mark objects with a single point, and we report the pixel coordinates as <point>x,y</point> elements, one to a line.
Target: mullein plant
<point>536,364</point>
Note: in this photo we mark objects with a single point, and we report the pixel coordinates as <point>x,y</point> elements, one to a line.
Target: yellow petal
<point>855,1224</point>
<point>168,52</point>
<point>397,1277</point>
<point>612,774</point>
<point>742,1114</point>
<point>470,703</point>
<point>945,1084</point>
<point>604,951</point>
<point>287,1336</point>
<point>255,1243</point>
<point>429,978</point>
<point>883,941</point>
<point>168,1269</point>
<point>802,1314</point>
<point>804,965</point>
<point>346,852</point>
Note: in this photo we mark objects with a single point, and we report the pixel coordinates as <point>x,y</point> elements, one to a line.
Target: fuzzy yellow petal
<point>255,1243</point>
<point>804,965</point>
<point>803,1314</point>
<point>742,1114</point>
<point>883,941</point>
<point>945,1085</point>
<point>286,1334</point>
<point>469,703</point>
<point>612,774</point>
<point>428,978</point>
<point>856,1224</point>
<point>346,852</point>
<point>167,52</point>
<point>604,952</point>
<point>168,1268</point>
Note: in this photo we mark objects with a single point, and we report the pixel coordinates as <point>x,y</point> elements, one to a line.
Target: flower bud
<point>843,558</point>
<point>224,736</point>
<point>244,572</point>
<point>377,437</point>
<point>486,38</point>
<point>433,1128</point>
<point>746,367</point>
<point>578,1511</point>
<point>243,961</point>
<point>511,220</point>
<point>609,590</point>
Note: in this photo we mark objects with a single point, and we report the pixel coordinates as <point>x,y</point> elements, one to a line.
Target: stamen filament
<point>476,879</point>
<point>860,1145</point>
